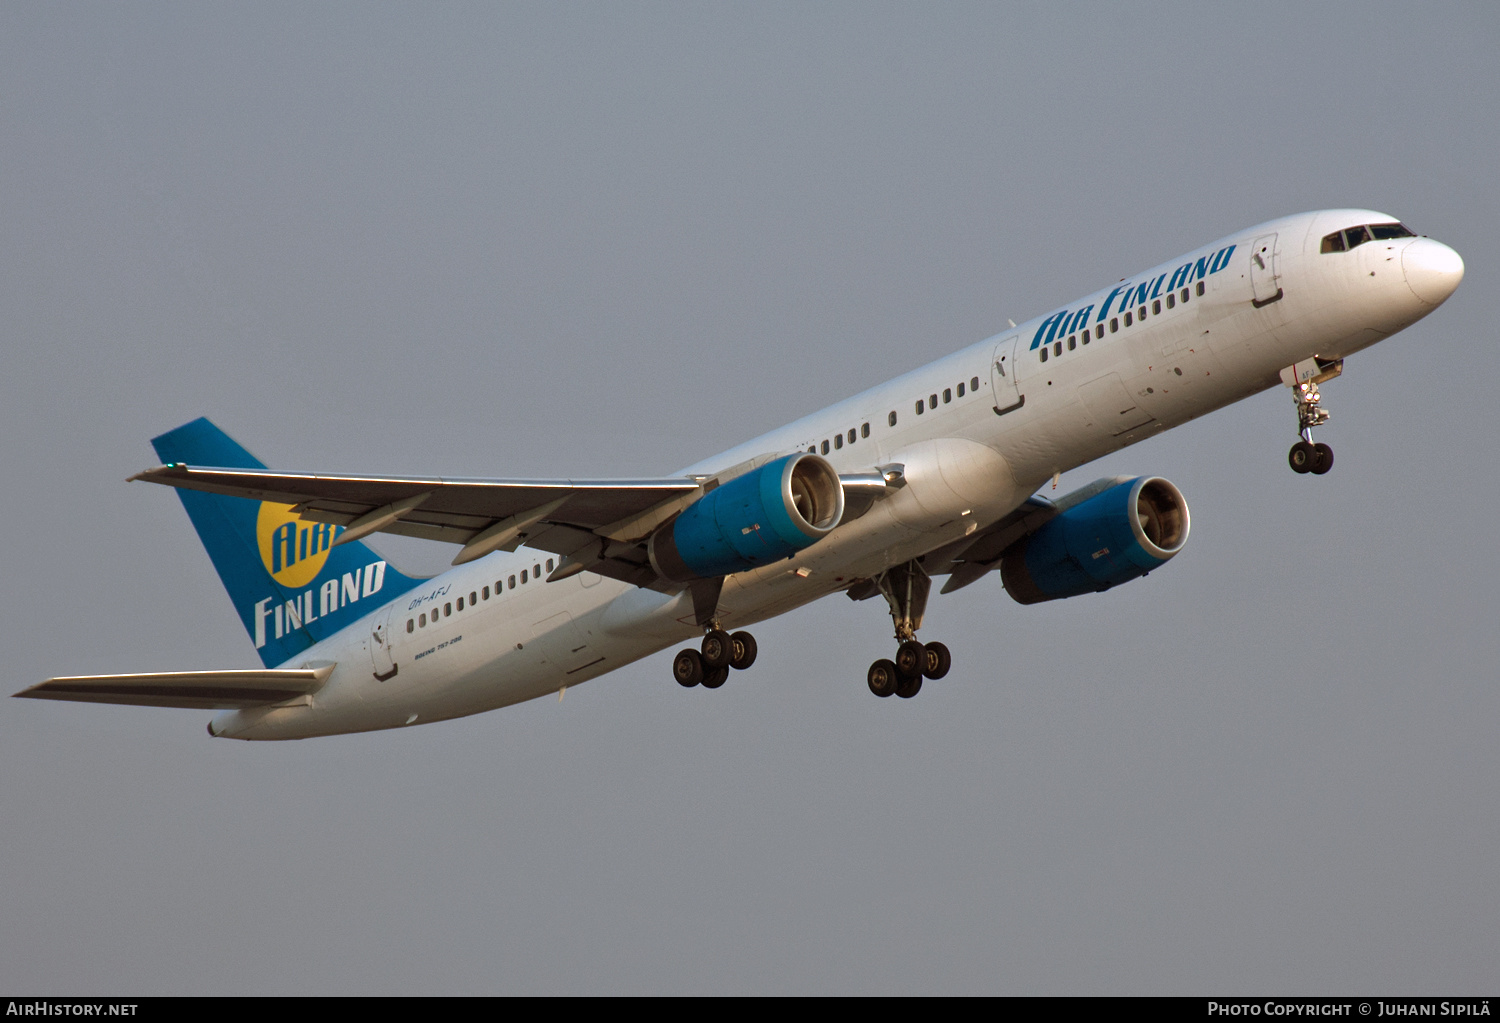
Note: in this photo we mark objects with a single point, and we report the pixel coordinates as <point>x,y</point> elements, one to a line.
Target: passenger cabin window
<point>410,626</point>
<point>549,568</point>
<point>974,384</point>
<point>460,603</point>
<point>1156,306</point>
<point>932,401</point>
<point>825,447</point>
<point>1114,324</point>
<point>1184,295</point>
<point>1044,353</point>
<point>512,582</point>
<point>947,395</point>
<point>919,406</point>
<point>472,601</point>
<point>1128,320</point>
<point>1200,288</point>
<point>447,610</point>
<point>890,420</point>
<point>1057,348</point>
<point>1099,330</point>
<point>838,440</point>
<point>960,389</point>
<point>485,592</point>
<point>1072,341</point>
<point>864,430</point>
<point>422,620</point>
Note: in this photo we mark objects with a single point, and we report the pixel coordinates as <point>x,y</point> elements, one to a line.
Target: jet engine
<point>763,516</point>
<point>1117,534</point>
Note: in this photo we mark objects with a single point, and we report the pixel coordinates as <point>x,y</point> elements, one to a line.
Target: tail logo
<point>292,551</point>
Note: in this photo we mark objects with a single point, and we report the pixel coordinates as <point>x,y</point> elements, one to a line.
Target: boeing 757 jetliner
<point>932,474</point>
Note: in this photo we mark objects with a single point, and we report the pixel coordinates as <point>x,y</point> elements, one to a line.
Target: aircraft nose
<point>1432,269</point>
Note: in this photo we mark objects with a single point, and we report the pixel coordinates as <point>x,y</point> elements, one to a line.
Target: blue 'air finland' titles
<point>1067,321</point>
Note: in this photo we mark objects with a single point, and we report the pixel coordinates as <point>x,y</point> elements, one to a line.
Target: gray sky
<point>604,239</point>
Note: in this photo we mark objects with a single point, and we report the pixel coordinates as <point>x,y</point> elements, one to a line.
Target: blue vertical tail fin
<point>288,582</point>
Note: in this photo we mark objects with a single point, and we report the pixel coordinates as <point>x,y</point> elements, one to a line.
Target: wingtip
<point>150,475</point>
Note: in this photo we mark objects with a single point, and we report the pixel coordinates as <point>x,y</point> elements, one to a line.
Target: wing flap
<point>201,690</point>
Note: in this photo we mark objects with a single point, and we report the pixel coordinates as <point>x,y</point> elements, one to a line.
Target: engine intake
<point>1118,534</point>
<point>765,515</point>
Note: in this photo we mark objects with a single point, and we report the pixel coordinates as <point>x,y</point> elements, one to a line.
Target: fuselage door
<point>1003,376</point>
<point>382,640</point>
<point>1265,270</point>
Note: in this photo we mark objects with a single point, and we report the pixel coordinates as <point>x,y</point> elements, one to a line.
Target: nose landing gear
<point>1303,378</point>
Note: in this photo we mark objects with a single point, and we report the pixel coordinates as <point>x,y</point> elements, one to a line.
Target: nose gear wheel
<point>1307,456</point>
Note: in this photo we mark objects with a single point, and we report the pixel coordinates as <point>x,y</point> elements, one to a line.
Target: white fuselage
<point>969,458</point>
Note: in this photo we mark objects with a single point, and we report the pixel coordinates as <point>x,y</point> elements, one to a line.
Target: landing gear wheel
<point>714,679</point>
<point>909,658</point>
<point>909,687</point>
<point>687,668</point>
<point>742,646</point>
<point>883,678</point>
<point>936,661</point>
<point>1322,459</point>
<point>717,649</point>
<point>1303,457</point>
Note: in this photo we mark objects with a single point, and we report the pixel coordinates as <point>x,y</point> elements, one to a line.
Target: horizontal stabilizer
<point>200,690</point>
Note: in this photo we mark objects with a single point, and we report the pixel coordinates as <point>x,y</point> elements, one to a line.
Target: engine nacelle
<point>765,515</point>
<point>1116,535</point>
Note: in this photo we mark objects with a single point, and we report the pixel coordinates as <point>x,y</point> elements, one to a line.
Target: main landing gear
<point>905,588</point>
<point>710,663</point>
<point>1303,378</point>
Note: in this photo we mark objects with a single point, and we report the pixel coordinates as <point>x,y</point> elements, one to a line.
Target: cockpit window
<point>1342,241</point>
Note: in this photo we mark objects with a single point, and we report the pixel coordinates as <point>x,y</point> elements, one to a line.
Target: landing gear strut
<point>905,588</point>
<point>1304,378</point>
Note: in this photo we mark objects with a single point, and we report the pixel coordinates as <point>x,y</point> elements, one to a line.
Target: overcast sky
<point>611,239</point>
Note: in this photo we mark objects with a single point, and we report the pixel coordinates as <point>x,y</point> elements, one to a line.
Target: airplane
<point>935,473</point>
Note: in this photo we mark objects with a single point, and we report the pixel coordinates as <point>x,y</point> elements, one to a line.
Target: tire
<point>716,678</point>
<point>717,649</point>
<point>1322,458</point>
<point>1302,457</point>
<point>883,678</point>
<point>687,668</point>
<point>909,658</point>
<point>936,661</point>
<point>743,650</point>
<point>909,687</point>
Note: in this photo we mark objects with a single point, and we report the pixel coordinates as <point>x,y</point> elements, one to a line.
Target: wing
<point>203,690</point>
<point>967,560</point>
<point>598,523</point>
